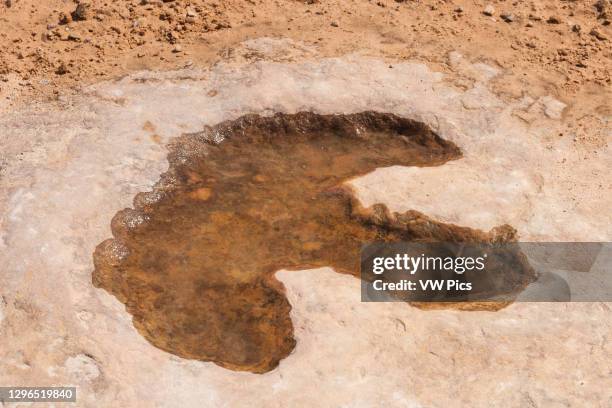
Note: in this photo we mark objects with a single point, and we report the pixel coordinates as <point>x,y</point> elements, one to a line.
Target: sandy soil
<point>560,46</point>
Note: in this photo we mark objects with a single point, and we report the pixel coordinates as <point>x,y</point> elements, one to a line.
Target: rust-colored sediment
<point>194,261</point>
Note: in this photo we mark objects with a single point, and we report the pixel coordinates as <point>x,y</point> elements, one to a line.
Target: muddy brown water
<point>194,260</point>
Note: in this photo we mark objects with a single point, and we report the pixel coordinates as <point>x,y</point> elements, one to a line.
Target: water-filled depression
<point>194,260</point>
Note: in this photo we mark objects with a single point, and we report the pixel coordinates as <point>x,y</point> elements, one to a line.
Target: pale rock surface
<point>67,168</point>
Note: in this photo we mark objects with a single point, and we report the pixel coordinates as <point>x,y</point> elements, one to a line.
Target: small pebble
<point>598,34</point>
